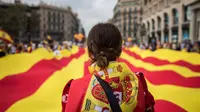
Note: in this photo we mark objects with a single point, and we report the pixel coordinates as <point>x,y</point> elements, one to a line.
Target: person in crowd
<point>20,48</point>
<point>142,45</point>
<point>183,44</point>
<point>159,46</point>
<point>8,49</point>
<point>33,46</point>
<point>152,47</point>
<point>37,45</point>
<point>47,46</point>
<point>2,53</point>
<point>165,45</point>
<point>169,46</point>
<point>57,51</point>
<point>174,46</point>
<point>2,50</point>
<point>196,48</point>
<point>30,47</point>
<point>184,49</point>
<point>178,47</point>
<point>188,45</point>
<point>110,85</point>
<point>13,48</point>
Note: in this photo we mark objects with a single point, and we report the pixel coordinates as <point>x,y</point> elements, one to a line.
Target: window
<point>145,2</point>
<point>55,28</point>
<point>198,29</point>
<point>124,30</point>
<point>124,13</point>
<point>153,24</point>
<point>63,16</point>
<point>124,23</point>
<point>49,17</point>
<point>119,13</point>
<point>159,23</point>
<point>166,20</point>
<point>129,23</point>
<point>130,14</point>
<point>148,26</point>
<point>175,16</point>
<point>44,26</point>
<point>187,13</point>
<point>62,27</point>
<point>185,34</point>
<point>166,37</point>
<point>49,14</point>
<point>44,13</point>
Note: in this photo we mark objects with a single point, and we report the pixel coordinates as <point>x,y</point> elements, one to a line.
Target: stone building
<point>127,17</point>
<point>171,20</point>
<point>59,23</point>
<point>195,21</point>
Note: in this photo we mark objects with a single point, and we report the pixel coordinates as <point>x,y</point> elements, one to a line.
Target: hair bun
<point>102,61</point>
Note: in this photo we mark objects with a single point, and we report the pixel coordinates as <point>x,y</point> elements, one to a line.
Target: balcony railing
<point>176,1</point>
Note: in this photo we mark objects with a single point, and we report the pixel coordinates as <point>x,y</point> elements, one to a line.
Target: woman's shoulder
<point>73,91</point>
<point>77,82</point>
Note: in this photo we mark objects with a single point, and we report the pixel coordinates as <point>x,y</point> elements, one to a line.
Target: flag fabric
<point>34,82</point>
<point>5,39</point>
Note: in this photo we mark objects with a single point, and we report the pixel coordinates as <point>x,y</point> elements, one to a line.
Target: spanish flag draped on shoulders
<point>110,86</point>
<point>87,95</point>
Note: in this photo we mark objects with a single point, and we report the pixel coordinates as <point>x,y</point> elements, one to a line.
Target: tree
<point>19,21</point>
<point>13,20</point>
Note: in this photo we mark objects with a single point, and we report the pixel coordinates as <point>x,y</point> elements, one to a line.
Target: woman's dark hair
<point>104,44</point>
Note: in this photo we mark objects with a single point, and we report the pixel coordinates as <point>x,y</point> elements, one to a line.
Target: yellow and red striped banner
<point>34,82</point>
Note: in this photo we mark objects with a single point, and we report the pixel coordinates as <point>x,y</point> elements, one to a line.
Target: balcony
<point>176,1</point>
<point>186,24</point>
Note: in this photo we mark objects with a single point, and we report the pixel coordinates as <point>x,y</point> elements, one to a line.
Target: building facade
<point>171,20</point>
<point>127,17</point>
<point>195,21</point>
<point>43,20</point>
<point>60,23</point>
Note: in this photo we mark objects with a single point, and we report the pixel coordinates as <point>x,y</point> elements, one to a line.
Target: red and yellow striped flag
<point>173,77</point>
<point>34,82</point>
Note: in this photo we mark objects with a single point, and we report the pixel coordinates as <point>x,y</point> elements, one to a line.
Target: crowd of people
<point>54,46</point>
<point>184,46</point>
<point>49,44</point>
<point>21,47</point>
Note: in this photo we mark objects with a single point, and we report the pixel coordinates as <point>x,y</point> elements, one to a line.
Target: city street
<point>99,55</point>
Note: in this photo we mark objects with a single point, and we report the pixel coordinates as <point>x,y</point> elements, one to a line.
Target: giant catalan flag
<point>34,82</point>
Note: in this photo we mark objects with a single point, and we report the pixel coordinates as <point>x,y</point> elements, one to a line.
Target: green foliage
<point>14,19</point>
